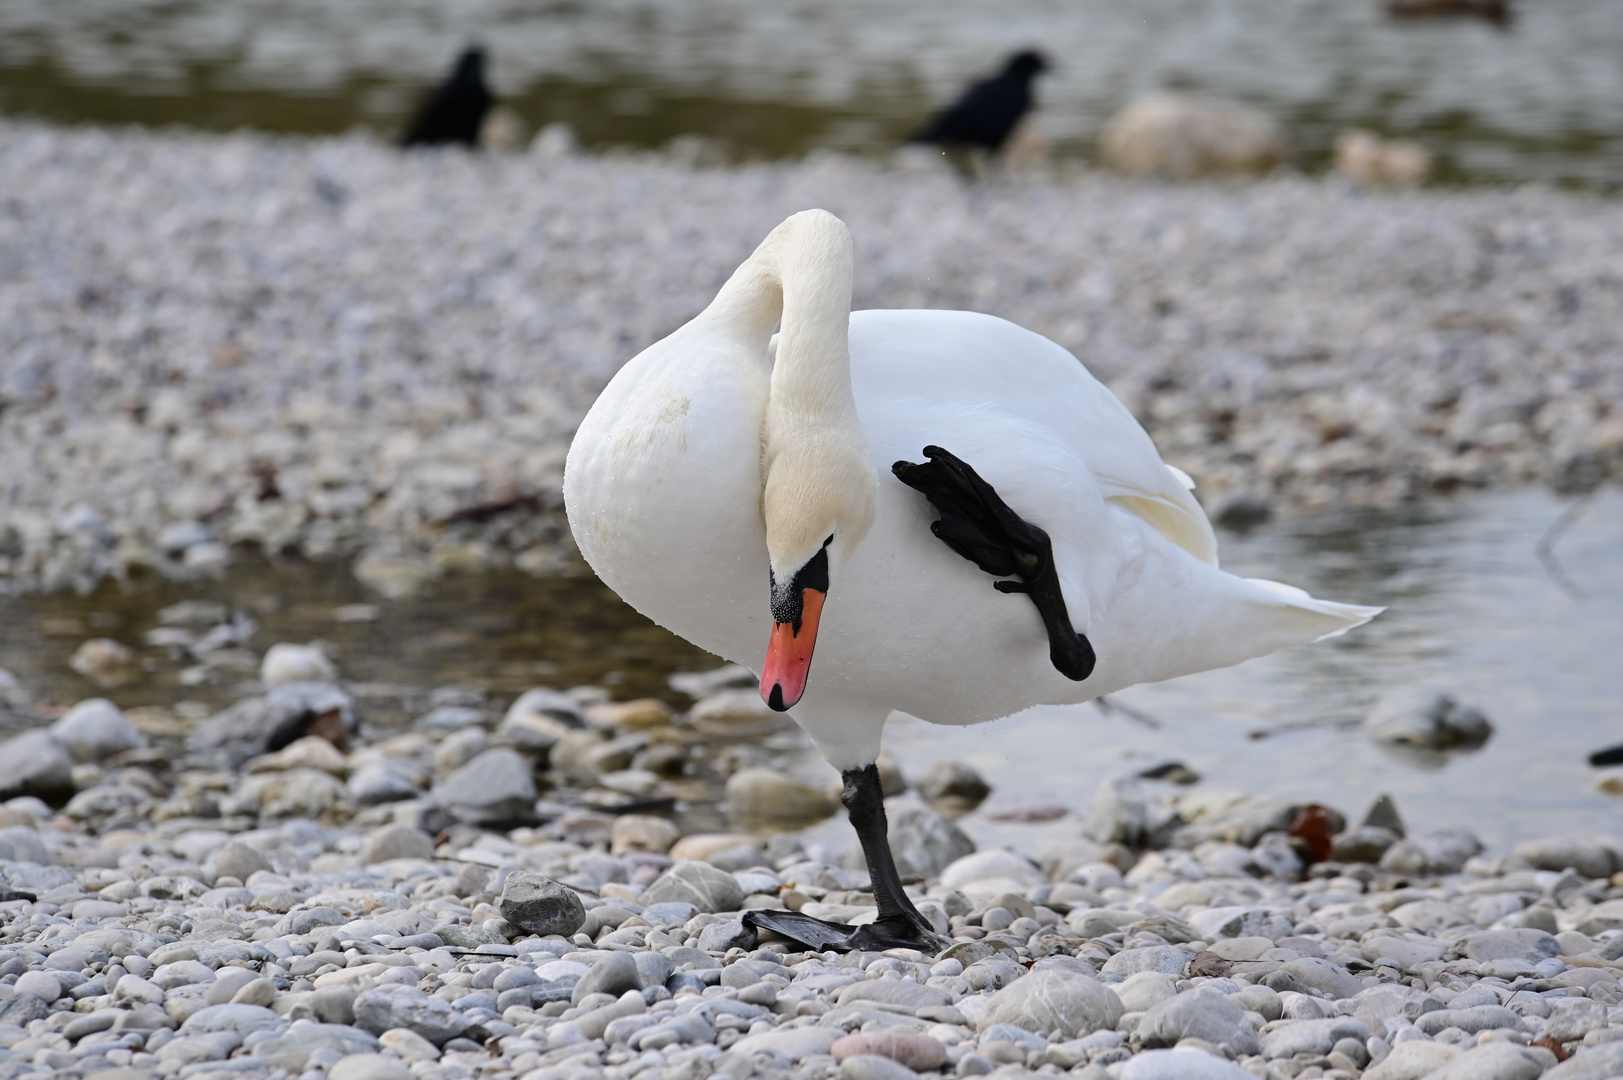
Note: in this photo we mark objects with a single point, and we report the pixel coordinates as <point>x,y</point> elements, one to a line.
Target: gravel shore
<point>329,348</point>
<point>498,889</point>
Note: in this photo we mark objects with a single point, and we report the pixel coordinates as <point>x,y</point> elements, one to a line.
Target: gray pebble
<point>541,905</point>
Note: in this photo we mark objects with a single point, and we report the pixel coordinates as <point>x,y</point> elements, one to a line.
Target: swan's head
<point>819,504</point>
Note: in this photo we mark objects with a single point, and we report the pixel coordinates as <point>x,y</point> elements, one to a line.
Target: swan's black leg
<point>977,524</point>
<point>899,923</point>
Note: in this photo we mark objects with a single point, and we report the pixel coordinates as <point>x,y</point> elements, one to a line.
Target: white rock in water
<point>556,140</point>
<point>95,730</point>
<point>502,129</point>
<point>104,661</point>
<point>1183,138</point>
<point>174,540</point>
<point>1426,719</point>
<point>288,663</point>
<point>11,691</point>
<point>1368,158</point>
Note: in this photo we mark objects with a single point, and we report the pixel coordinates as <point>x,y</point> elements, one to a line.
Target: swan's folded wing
<point>1324,618</point>
<point>1174,514</point>
<point>1133,476</point>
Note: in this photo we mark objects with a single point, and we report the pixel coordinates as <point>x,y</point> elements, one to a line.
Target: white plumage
<point>664,492</point>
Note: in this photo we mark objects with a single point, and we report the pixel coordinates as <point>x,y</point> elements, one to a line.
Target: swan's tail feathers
<point>1315,619</point>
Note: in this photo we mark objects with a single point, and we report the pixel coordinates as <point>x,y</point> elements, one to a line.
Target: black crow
<point>456,108</point>
<point>989,110</point>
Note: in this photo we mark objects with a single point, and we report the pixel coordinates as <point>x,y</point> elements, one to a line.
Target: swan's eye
<point>829,541</point>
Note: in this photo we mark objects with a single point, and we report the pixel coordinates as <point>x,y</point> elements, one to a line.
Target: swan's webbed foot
<point>977,524</point>
<point>898,932</point>
<point>899,924</point>
<point>908,930</point>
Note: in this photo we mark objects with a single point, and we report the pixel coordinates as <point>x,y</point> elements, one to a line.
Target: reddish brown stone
<point>918,1052</point>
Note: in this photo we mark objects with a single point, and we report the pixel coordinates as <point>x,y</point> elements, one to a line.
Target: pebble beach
<point>496,890</point>
<point>223,348</point>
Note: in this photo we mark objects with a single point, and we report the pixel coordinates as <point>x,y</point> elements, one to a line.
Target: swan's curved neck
<point>817,478</point>
<point>800,275</point>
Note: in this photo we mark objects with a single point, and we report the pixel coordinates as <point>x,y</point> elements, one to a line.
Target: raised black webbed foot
<point>902,931</point>
<point>977,524</point>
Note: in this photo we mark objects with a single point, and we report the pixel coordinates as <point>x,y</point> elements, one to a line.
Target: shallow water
<point>1538,98</point>
<point>1471,609</point>
<point>500,632</point>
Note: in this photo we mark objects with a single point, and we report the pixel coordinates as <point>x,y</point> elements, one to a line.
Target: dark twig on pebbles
<point>1137,716</point>
<point>1258,734</point>
<point>484,512</point>
<point>988,112</point>
<point>453,112</point>
<point>1545,548</point>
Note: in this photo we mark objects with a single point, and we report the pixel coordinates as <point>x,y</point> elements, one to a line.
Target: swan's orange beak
<point>789,653</point>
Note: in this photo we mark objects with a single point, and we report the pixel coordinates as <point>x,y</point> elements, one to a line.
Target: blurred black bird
<point>1612,755</point>
<point>456,108</point>
<point>1497,12</point>
<point>989,111</point>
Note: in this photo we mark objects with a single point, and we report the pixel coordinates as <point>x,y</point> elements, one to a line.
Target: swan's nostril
<point>775,701</point>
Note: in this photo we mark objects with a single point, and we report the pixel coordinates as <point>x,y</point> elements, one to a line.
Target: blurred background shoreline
<point>1530,99</point>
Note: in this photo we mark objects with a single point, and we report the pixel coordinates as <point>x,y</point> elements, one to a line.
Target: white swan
<point>738,489</point>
